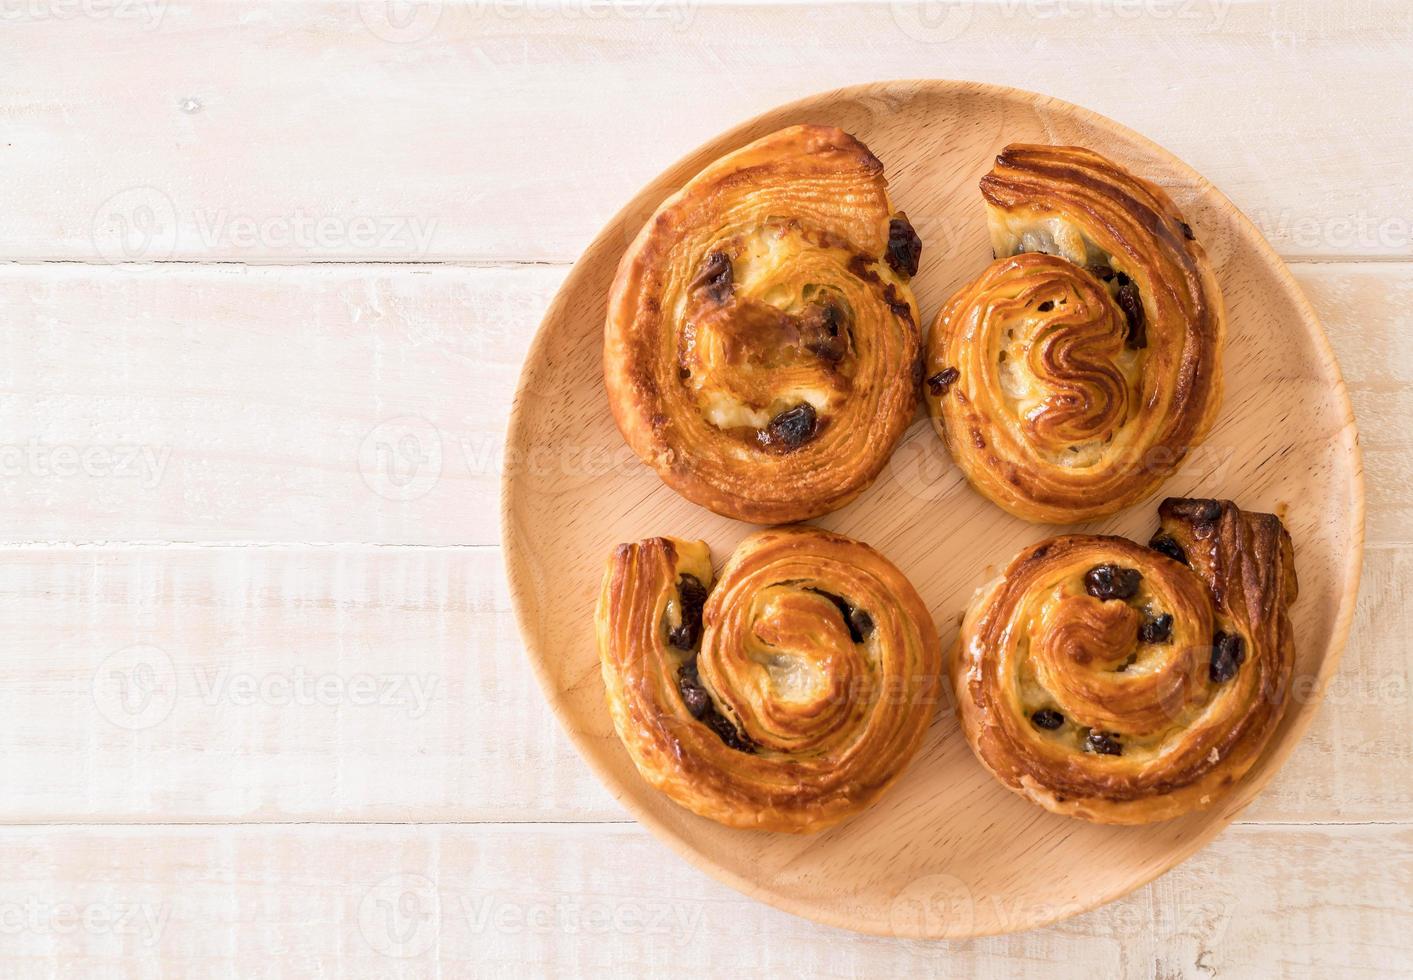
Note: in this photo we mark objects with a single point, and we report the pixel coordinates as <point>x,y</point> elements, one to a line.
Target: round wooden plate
<point>947,852</point>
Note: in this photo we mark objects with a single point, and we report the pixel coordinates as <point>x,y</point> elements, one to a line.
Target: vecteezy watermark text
<point>144,921</point>
<point>401,233</point>
<point>298,687</point>
<point>148,13</point>
<point>64,461</point>
<point>414,21</point>
<point>144,224</point>
<point>137,688</point>
<point>403,915</point>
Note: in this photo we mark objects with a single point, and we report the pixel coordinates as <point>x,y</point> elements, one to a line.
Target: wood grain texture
<point>1370,305</point>
<point>1337,773</point>
<point>944,815</point>
<point>199,403</point>
<point>368,404</point>
<point>275,404</point>
<point>387,683</point>
<point>576,901</point>
<point>294,131</point>
<point>270,684</point>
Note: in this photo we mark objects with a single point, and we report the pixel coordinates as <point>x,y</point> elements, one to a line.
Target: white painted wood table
<point>270,270</point>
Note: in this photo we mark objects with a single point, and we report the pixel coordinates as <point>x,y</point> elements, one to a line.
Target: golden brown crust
<point>1189,714</point>
<point>815,679</point>
<point>766,286</point>
<point>1079,368</point>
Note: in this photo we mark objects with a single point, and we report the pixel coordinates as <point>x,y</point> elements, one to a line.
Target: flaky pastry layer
<point>761,349</point>
<point>1080,368</point>
<point>1126,684</point>
<point>786,695</point>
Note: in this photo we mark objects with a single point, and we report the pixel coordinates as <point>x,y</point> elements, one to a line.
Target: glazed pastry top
<point>1126,684</point>
<point>762,348</point>
<point>1076,372</point>
<point>785,695</point>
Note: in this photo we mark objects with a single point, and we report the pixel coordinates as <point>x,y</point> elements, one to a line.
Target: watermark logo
<point>135,225</point>
<point>922,467</point>
<point>136,687</point>
<point>401,21</point>
<point>142,224</point>
<point>935,905</point>
<point>400,916</point>
<point>401,458</point>
<point>404,915</point>
<point>932,21</point>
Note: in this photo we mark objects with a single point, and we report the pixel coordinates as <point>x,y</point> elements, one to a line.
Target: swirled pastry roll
<point>1077,370</point>
<point>786,695</point>
<point>761,350</point>
<point>1124,684</point>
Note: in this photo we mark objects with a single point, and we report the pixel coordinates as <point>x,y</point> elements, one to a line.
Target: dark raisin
<point>691,598</point>
<point>1046,306</point>
<point>1158,630</point>
<point>1133,311</point>
<point>1101,272</point>
<point>822,330</point>
<point>942,380</point>
<point>897,304</point>
<point>1103,743</point>
<point>694,696</point>
<point>904,247</point>
<point>793,427</point>
<point>699,703</point>
<point>1123,280</point>
<point>1112,582</point>
<point>1228,653</point>
<point>1187,232</point>
<point>728,733</point>
<point>1048,719</point>
<point>683,637</point>
<point>1166,544</point>
<point>715,277</point>
<point>860,623</point>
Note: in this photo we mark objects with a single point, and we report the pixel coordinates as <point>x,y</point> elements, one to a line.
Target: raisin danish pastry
<point>1123,684</point>
<point>1077,370</point>
<point>761,350</point>
<point>786,695</point>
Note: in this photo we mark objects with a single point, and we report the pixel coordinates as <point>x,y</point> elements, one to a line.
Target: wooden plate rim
<point>611,237</point>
